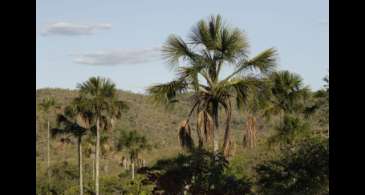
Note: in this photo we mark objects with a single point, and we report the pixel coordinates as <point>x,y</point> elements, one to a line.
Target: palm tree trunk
<point>93,159</point>
<point>227,131</point>
<point>216,125</point>
<point>97,157</point>
<point>251,131</point>
<point>48,152</point>
<point>80,164</point>
<point>254,131</point>
<point>132,170</point>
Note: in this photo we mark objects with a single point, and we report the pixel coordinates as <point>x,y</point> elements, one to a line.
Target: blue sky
<point>120,39</point>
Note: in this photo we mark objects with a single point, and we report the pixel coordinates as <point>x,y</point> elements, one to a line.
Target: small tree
<point>133,143</point>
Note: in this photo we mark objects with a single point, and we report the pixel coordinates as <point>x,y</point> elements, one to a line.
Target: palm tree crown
<point>288,91</point>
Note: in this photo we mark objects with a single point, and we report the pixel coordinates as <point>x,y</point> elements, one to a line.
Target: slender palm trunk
<point>216,125</point>
<point>93,166</point>
<point>226,143</point>
<point>254,131</point>
<point>132,169</point>
<point>80,165</point>
<point>48,152</point>
<point>251,131</point>
<point>97,156</point>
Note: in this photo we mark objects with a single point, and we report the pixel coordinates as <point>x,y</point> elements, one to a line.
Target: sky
<point>77,39</point>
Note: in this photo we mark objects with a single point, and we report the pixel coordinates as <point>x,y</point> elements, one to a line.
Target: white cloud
<point>72,29</point>
<point>119,56</point>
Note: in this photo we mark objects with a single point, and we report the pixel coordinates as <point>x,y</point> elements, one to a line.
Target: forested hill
<point>156,122</point>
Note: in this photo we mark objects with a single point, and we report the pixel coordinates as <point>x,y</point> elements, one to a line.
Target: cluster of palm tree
<point>96,109</point>
<point>134,143</point>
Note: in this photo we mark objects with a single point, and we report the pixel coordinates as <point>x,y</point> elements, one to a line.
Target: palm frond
<point>97,86</point>
<point>201,35</point>
<point>47,103</point>
<point>174,49</point>
<point>67,126</point>
<point>167,93</point>
<point>233,44</point>
<point>264,61</point>
<point>241,87</point>
<point>191,75</point>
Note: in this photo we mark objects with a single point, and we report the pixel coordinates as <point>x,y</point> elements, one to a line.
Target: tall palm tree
<point>101,97</point>
<point>46,105</point>
<point>288,92</point>
<point>199,61</point>
<point>134,144</point>
<point>75,121</point>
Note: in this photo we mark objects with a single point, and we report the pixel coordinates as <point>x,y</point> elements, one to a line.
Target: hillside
<point>159,124</point>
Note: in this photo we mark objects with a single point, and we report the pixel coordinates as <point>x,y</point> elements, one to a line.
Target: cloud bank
<point>119,56</point>
<point>72,29</point>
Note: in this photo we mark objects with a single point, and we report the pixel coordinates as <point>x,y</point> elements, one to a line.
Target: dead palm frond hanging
<point>186,141</point>
<point>205,126</point>
<point>249,139</point>
<point>231,149</point>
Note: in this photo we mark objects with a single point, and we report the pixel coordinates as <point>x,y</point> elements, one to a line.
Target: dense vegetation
<point>100,140</point>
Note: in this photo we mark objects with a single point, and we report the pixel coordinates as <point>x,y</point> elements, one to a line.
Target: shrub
<point>302,169</point>
<point>199,172</point>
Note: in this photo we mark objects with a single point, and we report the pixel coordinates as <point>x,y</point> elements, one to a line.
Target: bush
<point>199,172</point>
<point>63,176</point>
<point>302,169</point>
<point>137,186</point>
<point>110,184</point>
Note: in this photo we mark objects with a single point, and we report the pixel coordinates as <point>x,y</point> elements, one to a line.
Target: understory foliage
<point>63,177</point>
<point>197,172</point>
<point>65,182</point>
<point>300,169</point>
<point>290,129</point>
